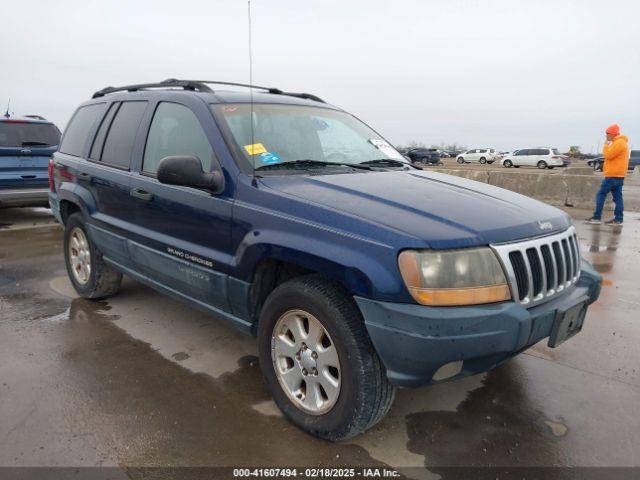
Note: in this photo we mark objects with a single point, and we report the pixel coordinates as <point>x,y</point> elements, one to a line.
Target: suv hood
<point>442,210</point>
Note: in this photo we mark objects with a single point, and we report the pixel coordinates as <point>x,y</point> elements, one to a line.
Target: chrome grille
<point>541,268</point>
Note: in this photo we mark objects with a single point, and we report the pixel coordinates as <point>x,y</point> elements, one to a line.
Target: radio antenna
<point>253,164</point>
<point>7,114</point>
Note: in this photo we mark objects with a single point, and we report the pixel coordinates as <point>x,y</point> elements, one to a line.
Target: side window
<point>122,134</point>
<point>81,123</point>
<point>543,151</point>
<point>98,142</point>
<point>175,130</point>
<point>523,152</point>
<point>482,151</point>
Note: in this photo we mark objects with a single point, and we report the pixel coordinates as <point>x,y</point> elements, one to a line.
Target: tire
<point>551,168</point>
<point>483,160</point>
<point>99,280</point>
<point>364,393</point>
<point>542,165</point>
<point>460,160</point>
<point>507,164</point>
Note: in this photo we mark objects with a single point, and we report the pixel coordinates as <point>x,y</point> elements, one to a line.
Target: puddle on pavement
<point>496,425</point>
<point>154,412</point>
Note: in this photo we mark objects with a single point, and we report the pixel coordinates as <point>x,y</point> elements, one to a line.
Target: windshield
<point>19,134</point>
<point>287,133</point>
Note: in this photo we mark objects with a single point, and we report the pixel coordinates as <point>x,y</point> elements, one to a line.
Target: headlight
<point>454,277</point>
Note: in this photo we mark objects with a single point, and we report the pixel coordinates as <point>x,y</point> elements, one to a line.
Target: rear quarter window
<point>82,122</point>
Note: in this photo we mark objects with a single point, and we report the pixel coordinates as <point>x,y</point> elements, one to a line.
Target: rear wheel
<point>460,160</point>
<point>542,164</point>
<point>507,163</point>
<point>483,160</point>
<point>89,275</point>
<point>318,360</point>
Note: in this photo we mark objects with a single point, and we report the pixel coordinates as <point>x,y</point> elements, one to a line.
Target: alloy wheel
<point>306,362</point>
<point>79,256</point>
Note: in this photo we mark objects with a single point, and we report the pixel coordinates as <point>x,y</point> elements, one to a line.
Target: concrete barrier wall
<point>566,189</point>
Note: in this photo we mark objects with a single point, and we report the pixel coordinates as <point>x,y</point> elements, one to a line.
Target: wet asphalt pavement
<point>144,380</point>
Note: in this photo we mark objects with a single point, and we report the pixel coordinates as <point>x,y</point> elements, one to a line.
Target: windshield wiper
<point>386,162</point>
<point>310,163</point>
<point>29,144</point>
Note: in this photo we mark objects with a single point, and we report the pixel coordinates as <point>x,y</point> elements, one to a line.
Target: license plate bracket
<point>567,323</point>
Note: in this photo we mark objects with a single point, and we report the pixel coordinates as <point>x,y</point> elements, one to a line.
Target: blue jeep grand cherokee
<point>26,145</point>
<point>296,222</point>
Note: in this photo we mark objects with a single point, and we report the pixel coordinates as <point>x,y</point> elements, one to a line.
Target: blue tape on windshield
<point>269,158</point>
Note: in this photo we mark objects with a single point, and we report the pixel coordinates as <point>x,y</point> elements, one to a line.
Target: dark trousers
<point>613,185</point>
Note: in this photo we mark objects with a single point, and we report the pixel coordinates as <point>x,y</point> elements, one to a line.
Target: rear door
<point>106,175</point>
<point>537,155</point>
<point>184,233</point>
<point>544,154</point>
<point>25,149</point>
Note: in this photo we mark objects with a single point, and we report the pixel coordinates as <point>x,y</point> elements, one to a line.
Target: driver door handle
<point>141,194</point>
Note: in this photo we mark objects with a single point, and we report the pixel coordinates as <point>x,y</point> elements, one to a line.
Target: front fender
<point>365,270</point>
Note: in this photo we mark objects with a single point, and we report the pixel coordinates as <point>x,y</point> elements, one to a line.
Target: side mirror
<point>186,171</point>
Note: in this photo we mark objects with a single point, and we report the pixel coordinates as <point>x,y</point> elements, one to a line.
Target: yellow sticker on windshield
<point>255,149</point>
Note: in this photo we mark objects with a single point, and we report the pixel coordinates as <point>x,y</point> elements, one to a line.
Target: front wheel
<point>460,160</point>
<point>483,160</point>
<point>542,164</point>
<point>507,164</point>
<point>90,276</point>
<point>318,360</point>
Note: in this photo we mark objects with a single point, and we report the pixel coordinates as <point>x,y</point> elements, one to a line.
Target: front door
<point>522,157</point>
<point>184,234</point>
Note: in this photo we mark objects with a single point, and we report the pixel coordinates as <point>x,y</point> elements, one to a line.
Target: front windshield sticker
<point>255,149</point>
<point>269,158</point>
<point>387,149</point>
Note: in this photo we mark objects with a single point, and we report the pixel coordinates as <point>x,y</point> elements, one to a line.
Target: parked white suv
<point>534,157</point>
<point>480,155</point>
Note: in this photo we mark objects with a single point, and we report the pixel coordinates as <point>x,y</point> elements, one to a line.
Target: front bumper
<point>414,341</point>
<point>24,197</point>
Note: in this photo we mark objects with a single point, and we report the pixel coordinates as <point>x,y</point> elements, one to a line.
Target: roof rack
<point>275,91</point>
<point>187,85</point>
<point>35,117</point>
<point>200,85</point>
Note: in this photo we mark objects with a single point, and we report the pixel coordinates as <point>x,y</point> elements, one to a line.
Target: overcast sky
<point>503,74</point>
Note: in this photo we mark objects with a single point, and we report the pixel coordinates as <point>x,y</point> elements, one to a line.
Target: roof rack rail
<point>199,85</point>
<point>187,85</point>
<point>275,91</point>
<point>35,117</point>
